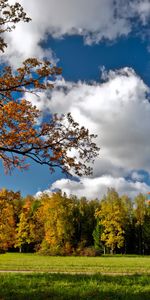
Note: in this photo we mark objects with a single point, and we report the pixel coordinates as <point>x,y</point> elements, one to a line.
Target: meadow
<point>76,264</point>
<point>45,277</point>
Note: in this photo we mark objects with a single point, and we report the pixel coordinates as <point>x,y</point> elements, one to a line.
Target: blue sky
<point>104,50</point>
<point>84,61</point>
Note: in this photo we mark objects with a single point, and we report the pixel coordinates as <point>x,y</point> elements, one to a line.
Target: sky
<point>103,47</point>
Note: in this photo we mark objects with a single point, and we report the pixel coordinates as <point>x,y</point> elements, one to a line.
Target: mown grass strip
<point>90,265</point>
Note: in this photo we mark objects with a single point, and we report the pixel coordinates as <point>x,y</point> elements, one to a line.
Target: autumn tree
<point>8,218</point>
<point>26,233</point>
<point>57,213</point>
<point>58,142</point>
<point>112,216</point>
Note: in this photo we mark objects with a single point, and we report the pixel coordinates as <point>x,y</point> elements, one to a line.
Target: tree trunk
<point>112,250</point>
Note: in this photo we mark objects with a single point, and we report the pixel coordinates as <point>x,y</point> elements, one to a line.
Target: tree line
<point>55,224</point>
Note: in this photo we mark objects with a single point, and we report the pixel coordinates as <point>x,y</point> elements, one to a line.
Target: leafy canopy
<point>58,142</point>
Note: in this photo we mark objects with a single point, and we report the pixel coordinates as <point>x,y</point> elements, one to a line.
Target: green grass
<point>82,280</point>
<point>90,265</point>
<point>73,287</point>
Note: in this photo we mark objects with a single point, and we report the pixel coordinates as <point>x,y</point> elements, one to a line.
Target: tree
<point>97,232</point>
<point>146,230</point>
<point>7,219</point>
<point>112,216</point>
<point>85,222</point>
<point>26,227</point>
<point>51,142</point>
<point>140,214</point>
<point>57,213</point>
<point>129,228</point>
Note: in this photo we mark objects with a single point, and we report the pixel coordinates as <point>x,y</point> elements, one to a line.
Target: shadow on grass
<point>76,287</point>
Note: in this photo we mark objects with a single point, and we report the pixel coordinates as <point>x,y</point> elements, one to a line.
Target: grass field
<point>104,264</point>
<point>73,287</point>
<point>115,284</point>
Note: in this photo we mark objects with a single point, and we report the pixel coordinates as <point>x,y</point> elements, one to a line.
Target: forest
<point>55,224</point>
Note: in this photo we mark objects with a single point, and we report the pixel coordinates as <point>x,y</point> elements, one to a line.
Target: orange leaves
<point>49,143</point>
<point>46,144</point>
<point>7,218</point>
<point>28,226</point>
<point>21,136</point>
<point>34,75</point>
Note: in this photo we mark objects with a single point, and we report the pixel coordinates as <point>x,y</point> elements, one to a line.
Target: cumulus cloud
<point>141,9</point>
<point>118,111</point>
<point>93,188</point>
<point>94,20</point>
<point>136,176</point>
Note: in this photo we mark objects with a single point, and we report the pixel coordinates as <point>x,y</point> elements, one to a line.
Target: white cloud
<point>94,20</point>
<point>93,188</point>
<point>142,9</point>
<point>118,110</point>
<point>137,176</point>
